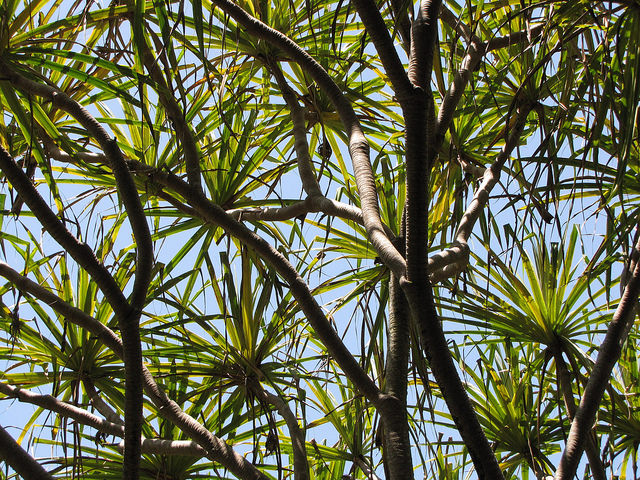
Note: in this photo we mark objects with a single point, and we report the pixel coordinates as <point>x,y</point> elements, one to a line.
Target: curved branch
<point>82,416</point>
<point>18,458</point>
<point>358,145</point>
<point>64,409</point>
<point>175,114</point>
<point>608,355</point>
<point>100,405</point>
<point>305,165</point>
<point>514,38</point>
<point>79,251</point>
<point>300,463</point>
<point>379,33</point>
<point>471,60</point>
<point>476,50</point>
<point>453,260</point>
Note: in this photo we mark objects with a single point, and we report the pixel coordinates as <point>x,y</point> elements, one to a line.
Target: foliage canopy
<point>320,240</point>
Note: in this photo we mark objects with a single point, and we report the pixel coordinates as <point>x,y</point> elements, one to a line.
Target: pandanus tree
<point>319,240</point>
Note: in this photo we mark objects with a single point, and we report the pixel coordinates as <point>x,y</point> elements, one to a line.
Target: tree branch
<point>476,51</point>
<point>300,463</point>
<point>379,33</point>
<point>453,260</point>
<point>434,343</point>
<point>99,404</point>
<point>63,409</point>
<point>162,446</point>
<point>564,383</point>
<point>471,60</point>
<point>396,442</point>
<point>311,204</point>
<point>305,165</point>
<point>79,251</point>
<point>608,355</point>
<point>85,257</point>
<point>83,417</point>
<point>176,115</point>
<point>126,186</point>
<point>424,34</point>
<point>17,457</point>
<point>402,21</point>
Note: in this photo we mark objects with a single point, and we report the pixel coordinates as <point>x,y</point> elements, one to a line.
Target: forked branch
<point>216,449</point>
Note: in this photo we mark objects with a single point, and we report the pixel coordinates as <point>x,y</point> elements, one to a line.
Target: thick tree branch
<point>79,251</point>
<point>418,288</point>
<point>396,442</point>
<point>358,145</point>
<point>515,38</point>
<point>379,33</point>
<point>434,343</point>
<point>17,457</point>
<point>309,205</point>
<point>564,382</point>
<point>608,355</point>
<point>424,34</point>
<point>161,446</point>
<point>71,313</point>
